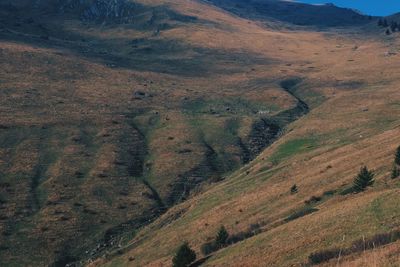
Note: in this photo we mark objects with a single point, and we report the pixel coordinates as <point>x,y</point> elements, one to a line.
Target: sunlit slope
<point>104,126</point>
<point>351,85</point>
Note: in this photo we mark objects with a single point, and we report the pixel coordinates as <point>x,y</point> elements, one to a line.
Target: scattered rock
<point>51,203</point>
<point>76,139</point>
<point>64,218</point>
<point>102,175</point>
<point>139,95</point>
<point>79,174</point>
<point>89,211</point>
<point>184,151</point>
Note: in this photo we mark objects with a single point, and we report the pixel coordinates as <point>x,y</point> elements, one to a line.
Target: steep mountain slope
<point>112,112</point>
<point>357,124</point>
<point>109,119</point>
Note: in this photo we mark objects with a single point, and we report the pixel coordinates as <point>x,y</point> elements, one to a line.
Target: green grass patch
<point>227,106</point>
<point>232,126</point>
<point>293,147</point>
<point>220,134</point>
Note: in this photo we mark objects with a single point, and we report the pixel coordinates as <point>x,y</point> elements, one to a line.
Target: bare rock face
<point>116,11</point>
<point>99,11</point>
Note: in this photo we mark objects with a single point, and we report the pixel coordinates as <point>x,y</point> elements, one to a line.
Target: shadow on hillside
<point>152,53</point>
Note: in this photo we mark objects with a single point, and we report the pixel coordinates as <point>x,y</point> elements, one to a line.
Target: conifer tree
<point>397,156</point>
<point>184,256</point>
<point>364,179</point>
<point>395,172</point>
<point>222,237</point>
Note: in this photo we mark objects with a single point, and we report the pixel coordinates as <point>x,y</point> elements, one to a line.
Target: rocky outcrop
<point>120,11</point>
<point>106,11</point>
<point>264,132</point>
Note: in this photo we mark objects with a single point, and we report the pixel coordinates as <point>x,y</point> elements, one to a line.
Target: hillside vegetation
<point>129,127</point>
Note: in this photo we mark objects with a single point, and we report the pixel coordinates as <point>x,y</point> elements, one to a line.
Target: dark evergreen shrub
<point>184,256</point>
<point>364,179</point>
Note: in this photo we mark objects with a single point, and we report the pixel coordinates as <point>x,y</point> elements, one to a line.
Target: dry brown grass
<point>385,257</point>
<point>356,125</point>
<point>79,95</point>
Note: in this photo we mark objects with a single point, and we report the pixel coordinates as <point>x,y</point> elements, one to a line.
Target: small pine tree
<point>222,237</point>
<point>294,189</point>
<point>397,156</point>
<point>395,172</point>
<point>184,256</point>
<point>387,32</point>
<point>364,179</point>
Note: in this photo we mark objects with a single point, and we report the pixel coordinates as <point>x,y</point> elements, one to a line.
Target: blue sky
<point>369,7</point>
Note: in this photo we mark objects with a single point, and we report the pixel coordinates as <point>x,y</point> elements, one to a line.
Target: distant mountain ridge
<point>324,15</point>
<point>126,11</point>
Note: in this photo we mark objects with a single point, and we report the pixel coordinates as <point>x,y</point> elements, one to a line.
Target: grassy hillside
<point>109,122</point>
<point>321,153</point>
<point>353,122</point>
<point>106,124</point>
